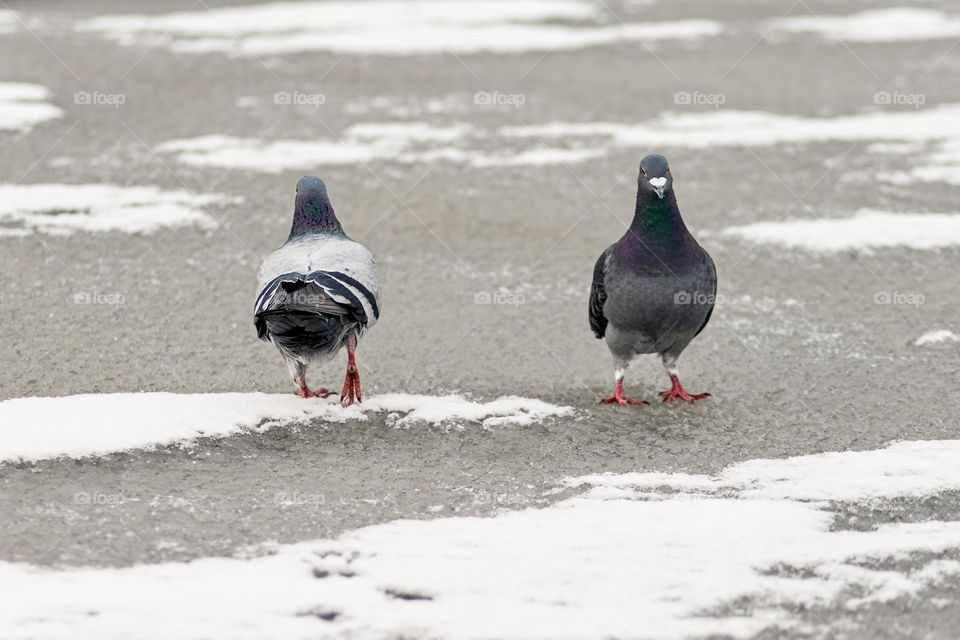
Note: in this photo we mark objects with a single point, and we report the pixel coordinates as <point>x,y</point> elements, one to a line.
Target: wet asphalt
<point>799,356</point>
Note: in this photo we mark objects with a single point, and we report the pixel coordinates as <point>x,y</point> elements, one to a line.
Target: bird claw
<point>619,397</point>
<point>676,391</point>
<point>680,393</point>
<point>622,400</point>
<point>321,392</point>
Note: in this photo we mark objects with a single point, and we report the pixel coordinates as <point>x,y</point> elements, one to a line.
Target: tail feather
<point>307,314</point>
<point>304,332</point>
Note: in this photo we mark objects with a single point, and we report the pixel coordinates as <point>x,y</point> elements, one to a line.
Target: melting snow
<point>390,27</point>
<point>864,230</point>
<point>64,208</point>
<point>756,128</point>
<point>896,24</point>
<point>936,337</point>
<point>407,142</point>
<point>644,555</point>
<point>94,424</point>
<point>902,469</point>
<point>8,21</point>
<point>410,142</point>
<point>22,105</point>
<point>941,165</point>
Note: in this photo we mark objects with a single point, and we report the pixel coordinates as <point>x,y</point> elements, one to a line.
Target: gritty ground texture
<point>799,356</point>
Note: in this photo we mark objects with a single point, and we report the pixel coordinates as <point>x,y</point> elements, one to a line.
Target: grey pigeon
<point>319,292</point>
<point>653,290</point>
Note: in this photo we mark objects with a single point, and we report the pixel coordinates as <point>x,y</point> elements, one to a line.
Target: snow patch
<point>536,157</point>
<point>97,424</point>
<point>756,128</point>
<point>389,27</point>
<point>936,337</point>
<point>418,142</point>
<point>864,230</point>
<point>8,21</point>
<point>22,105</point>
<point>662,555</point>
<point>405,142</point>
<point>896,24</point>
<point>940,165</point>
<point>902,469</point>
<point>62,209</point>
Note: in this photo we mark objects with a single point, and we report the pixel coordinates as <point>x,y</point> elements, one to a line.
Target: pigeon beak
<point>658,184</point>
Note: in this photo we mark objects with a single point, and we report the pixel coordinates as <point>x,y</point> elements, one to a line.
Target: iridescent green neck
<point>658,218</point>
<point>314,215</point>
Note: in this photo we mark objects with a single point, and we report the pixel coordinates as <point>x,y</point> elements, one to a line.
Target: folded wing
<point>315,311</point>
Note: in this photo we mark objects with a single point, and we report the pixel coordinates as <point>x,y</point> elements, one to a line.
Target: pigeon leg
<point>618,396</point>
<point>299,372</point>
<point>306,392</point>
<point>302,389</point>
<point>676,390</point>
<point>351,382</point>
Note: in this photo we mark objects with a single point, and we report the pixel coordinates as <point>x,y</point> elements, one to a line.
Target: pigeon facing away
<point>318,293</point>
<point>653,290</point>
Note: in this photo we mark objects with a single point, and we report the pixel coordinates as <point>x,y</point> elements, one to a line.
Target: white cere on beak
<point>658,184</point>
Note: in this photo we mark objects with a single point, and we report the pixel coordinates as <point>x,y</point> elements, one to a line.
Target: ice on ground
<point>866,230</point>
<point>508,410</point>
<point>662,555</point>
<point>406,142</point>
<point>936,337</point>
<point>8,21</point>
<point>756,128</point>
<point>96,424</point>
<point>273,157</point>
<point>22,105</point>
<point>390,27</point>
<point>902,469</point>
<point>895,24</point>
<point>534,157</point>
<point>940,165</point>
<point>62,209</point>
<point>419,142</point>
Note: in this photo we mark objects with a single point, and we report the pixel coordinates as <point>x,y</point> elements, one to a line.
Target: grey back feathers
<point>319,287</point>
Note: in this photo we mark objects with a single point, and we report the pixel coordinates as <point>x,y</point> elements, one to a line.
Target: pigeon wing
<point>712,271</point>
<point>598,295</point>
<point>331,277</point>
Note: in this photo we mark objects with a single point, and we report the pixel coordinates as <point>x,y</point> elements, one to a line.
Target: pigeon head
<point>313,211</point>
<point>655,176</point>
<point>657,214</point>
